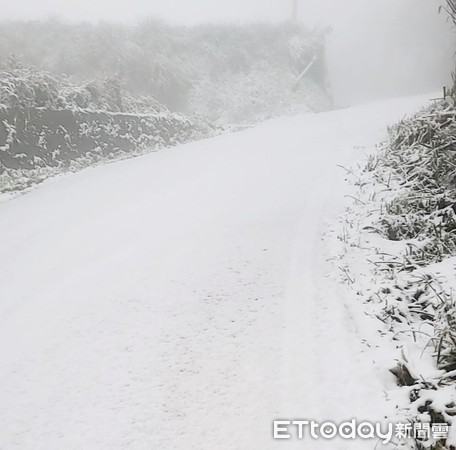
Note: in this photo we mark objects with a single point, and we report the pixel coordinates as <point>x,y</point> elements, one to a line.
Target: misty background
<point>377,48</point>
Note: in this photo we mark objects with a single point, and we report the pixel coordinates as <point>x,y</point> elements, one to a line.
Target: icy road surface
<point>179,300</point>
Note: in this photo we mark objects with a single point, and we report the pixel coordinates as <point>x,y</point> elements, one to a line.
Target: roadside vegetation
<point>403,222</point>
<point>419,160</point>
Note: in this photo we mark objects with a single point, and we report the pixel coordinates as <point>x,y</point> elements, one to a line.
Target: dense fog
<point>377,48</point>
<point>384,48</point>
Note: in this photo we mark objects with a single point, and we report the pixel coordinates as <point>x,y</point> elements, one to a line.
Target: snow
<point>413,308</point>
<point>182,299</point>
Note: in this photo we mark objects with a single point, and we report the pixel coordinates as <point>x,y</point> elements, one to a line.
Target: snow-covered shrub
<point>403,227</point>
<point>25,87</point>
<point>421,155</point>
<point>246,98</point>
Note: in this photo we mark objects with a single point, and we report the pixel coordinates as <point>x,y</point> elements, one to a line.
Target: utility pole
<point>294,11</point>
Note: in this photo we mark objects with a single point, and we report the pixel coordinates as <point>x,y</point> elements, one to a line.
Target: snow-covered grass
<point>403,223</point>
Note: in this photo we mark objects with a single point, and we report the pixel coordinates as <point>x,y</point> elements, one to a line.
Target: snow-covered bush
<point>240,98</point>
<point>403,225</point>
<point>25,87</point>
<point>421,154</point>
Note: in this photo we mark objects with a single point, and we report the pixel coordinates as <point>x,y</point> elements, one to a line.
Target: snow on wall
<point>47,142</point>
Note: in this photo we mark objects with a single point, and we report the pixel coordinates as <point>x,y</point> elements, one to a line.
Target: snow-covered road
<point>179,300</point>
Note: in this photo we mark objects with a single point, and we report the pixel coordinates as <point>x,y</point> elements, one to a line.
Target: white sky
<point>184,11</point>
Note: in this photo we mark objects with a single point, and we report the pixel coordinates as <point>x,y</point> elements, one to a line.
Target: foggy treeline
<point>242,73</point>
<point>232,73</point>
